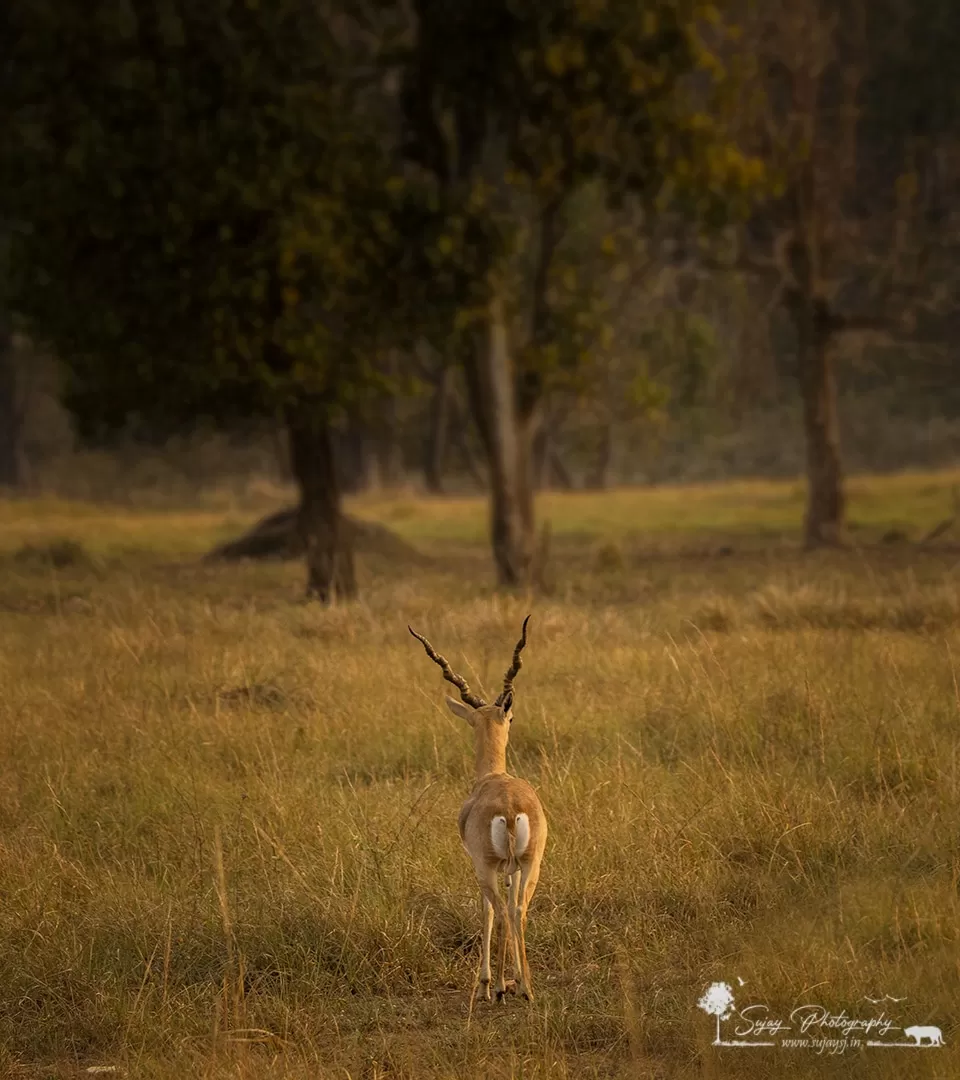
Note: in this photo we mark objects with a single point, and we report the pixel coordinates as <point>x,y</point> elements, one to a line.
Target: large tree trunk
<point>508,408</point>
<point>506,437</point>
<point>11,418</point>
<point>355,455</point>
<point>326,540</point>
<point>436,447</point>
<point>824,520</point>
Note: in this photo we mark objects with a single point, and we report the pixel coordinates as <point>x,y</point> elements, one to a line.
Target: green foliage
<point>206,215</point>
<point>646,394</point>
<point>682,348</point>
<point>209,213</point>
<point>630,93</point>
<point>581,106</point>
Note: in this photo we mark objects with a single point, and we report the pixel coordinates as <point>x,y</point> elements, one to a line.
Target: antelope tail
<point>512,864</point>
<point>510,839</point>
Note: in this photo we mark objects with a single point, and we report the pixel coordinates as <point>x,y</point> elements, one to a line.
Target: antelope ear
<point>461,709</point>
<point>507,707</point>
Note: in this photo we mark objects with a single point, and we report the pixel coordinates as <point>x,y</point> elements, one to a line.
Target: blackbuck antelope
<point>502,824</point>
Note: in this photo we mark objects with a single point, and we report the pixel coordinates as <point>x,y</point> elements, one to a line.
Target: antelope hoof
<point>485,990</point>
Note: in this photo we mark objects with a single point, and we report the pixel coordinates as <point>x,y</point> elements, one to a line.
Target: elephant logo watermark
<point>932,1035</point>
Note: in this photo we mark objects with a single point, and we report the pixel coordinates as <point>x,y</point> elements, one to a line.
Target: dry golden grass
<point>228,819</point>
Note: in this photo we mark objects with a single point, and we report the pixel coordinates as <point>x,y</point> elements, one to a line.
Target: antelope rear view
<point>502,824</point>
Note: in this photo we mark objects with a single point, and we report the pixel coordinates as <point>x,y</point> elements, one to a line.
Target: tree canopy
<point>237,207</point>
<point>205,209</point>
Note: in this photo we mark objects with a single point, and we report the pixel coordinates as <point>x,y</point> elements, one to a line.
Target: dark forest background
<point>490,249</point>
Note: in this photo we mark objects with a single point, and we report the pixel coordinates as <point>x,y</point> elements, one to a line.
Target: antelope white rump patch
<point>498,836</point>
<point>521,834</point>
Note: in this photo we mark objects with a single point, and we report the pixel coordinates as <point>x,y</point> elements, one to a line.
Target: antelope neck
<point>491,760</point>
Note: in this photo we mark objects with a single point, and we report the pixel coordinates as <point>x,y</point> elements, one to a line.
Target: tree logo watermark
<point>811,1026</point>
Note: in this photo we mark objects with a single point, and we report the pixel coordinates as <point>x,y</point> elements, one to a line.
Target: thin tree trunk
<point>11,417</point>
<point>370,471</point>
<point>528,430</point>
<point>505,438</point>
<point>824,519</point>
<point>390,454</point>
<point>533,434</point>
<point>560,473</point>
<point>540,458</point>
<point>600,476</point>
<point>389,446</point>
<point>436,447</point>
<point>459,422</point>
<point>326,540</point>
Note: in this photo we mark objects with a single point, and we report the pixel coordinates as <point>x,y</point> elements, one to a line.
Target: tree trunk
<point>529,422</point>
<point>281,452</point>
<point>824,520</point>
<point>540,457</point>
<point>370,471</point>
<point>389,447</point>
<point>600,474</point>
<point>11,417</point>
<point>508,408</point>
<point>459,422</point>
<point>506,440</point>
<point>326,540</point>
<point>436,447</point>
<point>559,473</point>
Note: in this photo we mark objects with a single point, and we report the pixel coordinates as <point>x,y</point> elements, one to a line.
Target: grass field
<point>228,818</point>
